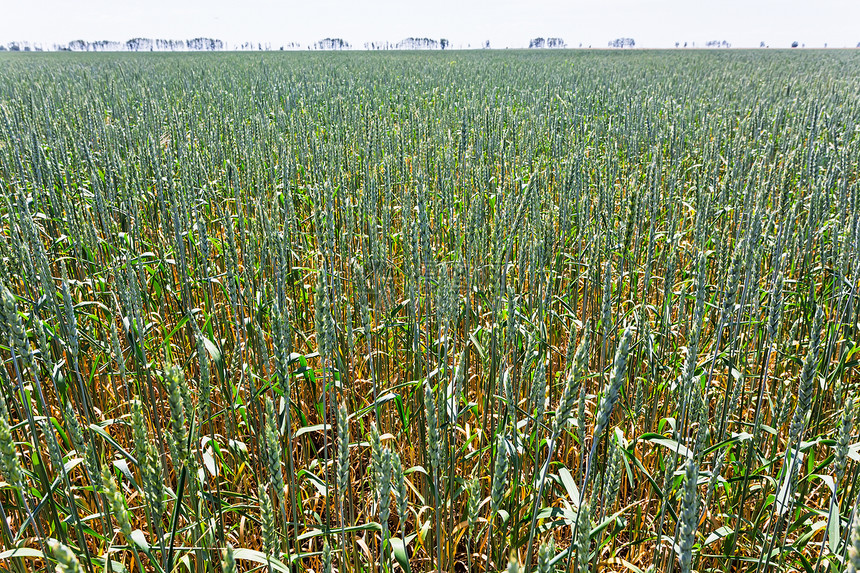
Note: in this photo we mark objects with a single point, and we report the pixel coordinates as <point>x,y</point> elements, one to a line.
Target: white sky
<point>505,23</point>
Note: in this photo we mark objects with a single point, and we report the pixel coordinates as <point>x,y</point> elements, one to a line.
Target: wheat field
<point>424,312</point>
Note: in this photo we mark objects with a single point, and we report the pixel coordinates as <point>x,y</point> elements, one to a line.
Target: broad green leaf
<point>107,437</point>
<point>718,534</point>
<point>21,552</point>
<point>833,528</point>
<point>115,566</point>
<point>214,355</point>
<point>139,538</point>
<point>369,526</point>
<point>569,485</point>
<point>261,558</point>
<point>400,554</point>
<point>668,443</point>
<point>209,463</point>
<point>387,397</point>
<point>312,429</point>
<point>315,480</point>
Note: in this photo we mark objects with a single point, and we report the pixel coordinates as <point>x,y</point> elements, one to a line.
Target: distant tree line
<point>410,44</point>
<point>212,45</point>
<point>148,45</point>
<point>133,45</point>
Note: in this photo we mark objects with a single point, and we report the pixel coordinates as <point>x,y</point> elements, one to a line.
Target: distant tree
<point>78,46</point>
<point>417,44</point>
<point>761,45</point>
<point>622,43</point>
<point>443,43</point>
<point>204,44</point>
<point>105,46</point>
<point>539,43</point>
<point>139,45</point>
<point>794,44</point>
<point>487,45</point>
<point>677,44</point>
<point>332,44</point>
